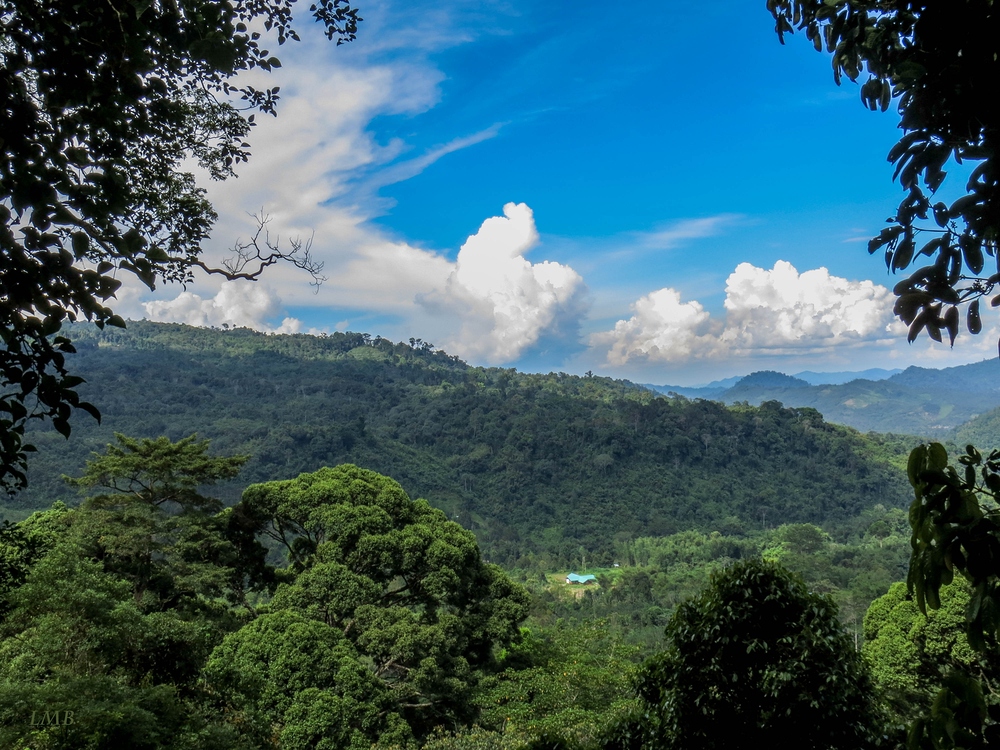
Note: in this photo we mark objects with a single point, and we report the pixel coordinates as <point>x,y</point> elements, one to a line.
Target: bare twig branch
<point>250,258</point>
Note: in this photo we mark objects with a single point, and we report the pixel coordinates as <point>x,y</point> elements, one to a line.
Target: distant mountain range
<point>718,387</point>
<point>919,401</point>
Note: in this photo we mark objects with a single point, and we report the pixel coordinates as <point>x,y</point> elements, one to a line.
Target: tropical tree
<point>759,658</point>
<point>393,594</point>
<point>940,61</point>
<point>570,681</point>
<point>103,105</point>
<point>151,524</point>
<point>109,611</point>
<point>910,653</point>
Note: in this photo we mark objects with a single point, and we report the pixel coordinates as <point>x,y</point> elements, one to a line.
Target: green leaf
<point>972,250</point>
<point>937,456</point>
<point>81,244</point>
<point>61,426</point>
<point>134,241</point>
<point>157,254</point>
<point>973,321</point>
<point>951,323</point>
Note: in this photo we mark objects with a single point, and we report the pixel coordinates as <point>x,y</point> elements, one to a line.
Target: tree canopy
<point>109,611</point>
<point>758,657</point>
<point>911,653</point>
<point>508,455</point>
<point>941,61</point>
<point>396,596</point>
<point>102,106</point>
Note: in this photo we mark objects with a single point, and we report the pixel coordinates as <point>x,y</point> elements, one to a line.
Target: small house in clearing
<point>574,578</point>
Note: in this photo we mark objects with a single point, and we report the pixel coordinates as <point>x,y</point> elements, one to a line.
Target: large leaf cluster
<point>939,59</point>
<point>956,528</point>
<point>101,105</point>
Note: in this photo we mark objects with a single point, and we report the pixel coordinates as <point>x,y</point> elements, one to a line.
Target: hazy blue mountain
<point>717,387</point>
<point>839,378</point>
<point>979,377</point>
<point>917,401</point>
<point>724,383</point>
<point>765,379</point>
<point>710,392</point>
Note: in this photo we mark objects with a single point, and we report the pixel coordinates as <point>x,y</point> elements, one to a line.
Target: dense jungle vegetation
<point>266,594</point>
<point>194,605</point>
<point>548,470</point>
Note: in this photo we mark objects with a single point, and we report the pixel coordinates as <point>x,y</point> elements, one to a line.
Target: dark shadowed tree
<point>756,661</point>
<point>955,519</point>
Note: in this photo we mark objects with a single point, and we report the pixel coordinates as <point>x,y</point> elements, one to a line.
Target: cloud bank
<point>767,312</point>
<point>238,303</point>
<point>319,166</point>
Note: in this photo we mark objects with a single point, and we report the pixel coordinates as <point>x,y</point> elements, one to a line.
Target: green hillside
<point>535,464</point>
<point>982,431</point>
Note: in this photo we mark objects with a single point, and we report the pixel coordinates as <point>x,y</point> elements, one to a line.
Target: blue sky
<point>660,191</point>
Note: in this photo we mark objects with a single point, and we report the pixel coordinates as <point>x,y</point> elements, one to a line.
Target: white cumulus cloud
<point>777,311</point>
<point>783,309</point>
<point>506,304</point>
<point>237,304</point>
<point>662,329</point>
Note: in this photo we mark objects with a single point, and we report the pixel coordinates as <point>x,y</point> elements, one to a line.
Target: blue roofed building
<point>574,578</point>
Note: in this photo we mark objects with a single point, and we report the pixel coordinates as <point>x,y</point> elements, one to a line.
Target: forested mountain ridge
<point>536,465</point>
<point>916,401</point>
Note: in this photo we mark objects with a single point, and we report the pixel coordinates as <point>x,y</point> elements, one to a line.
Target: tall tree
<point>940,59</point>
<point>149,522</point>
<point>109,611</point>
<point>757,657</point>
<point>396,597</point>
<point>101,106</point>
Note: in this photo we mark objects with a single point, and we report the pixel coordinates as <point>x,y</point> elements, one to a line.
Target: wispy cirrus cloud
<point>401,170</point>
<point>317,168</point>
<point>677,233</point>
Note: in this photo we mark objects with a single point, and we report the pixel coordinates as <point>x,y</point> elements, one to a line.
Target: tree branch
<point>250,258</point>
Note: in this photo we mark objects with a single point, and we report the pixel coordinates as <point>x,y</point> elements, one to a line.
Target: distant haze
<point>930,403</point>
